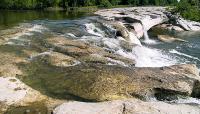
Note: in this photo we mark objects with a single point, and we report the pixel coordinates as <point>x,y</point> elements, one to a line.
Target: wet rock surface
<point>169,39</point>
<point>95,82</point>
<point>41,68</point>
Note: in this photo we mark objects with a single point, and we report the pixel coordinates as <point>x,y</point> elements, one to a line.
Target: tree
<point>115,2</point>
<point>105,3</point>
<point>89,2</point>
<point>133,2</point>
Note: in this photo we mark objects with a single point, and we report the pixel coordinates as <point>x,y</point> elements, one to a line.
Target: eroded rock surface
<point>104,82</point>
<point>131,106</point>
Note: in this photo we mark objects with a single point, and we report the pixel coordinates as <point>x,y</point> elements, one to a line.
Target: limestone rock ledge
<point>131,106</point>
<point>141,19</point>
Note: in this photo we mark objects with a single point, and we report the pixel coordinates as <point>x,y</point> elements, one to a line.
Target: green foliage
<point>105,3</point>
<point>188,9</point>
<point>40,4</point>
<point>133,2</point>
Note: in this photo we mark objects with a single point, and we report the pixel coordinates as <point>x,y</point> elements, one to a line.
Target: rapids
<point>149,53</point>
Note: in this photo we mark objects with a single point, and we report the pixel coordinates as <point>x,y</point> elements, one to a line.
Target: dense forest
<point>38,4</point>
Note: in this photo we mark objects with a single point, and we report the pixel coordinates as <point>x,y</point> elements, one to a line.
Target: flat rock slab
<point>11,90</point>
<point>147,16</point>
<point>131,106</point>
<point>95,82</point>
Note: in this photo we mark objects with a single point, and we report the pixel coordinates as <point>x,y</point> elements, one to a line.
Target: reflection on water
<point>11,18</point>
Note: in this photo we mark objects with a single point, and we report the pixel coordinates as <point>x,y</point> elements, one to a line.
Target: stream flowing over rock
<point>144,18</point>
<point>47,66</point>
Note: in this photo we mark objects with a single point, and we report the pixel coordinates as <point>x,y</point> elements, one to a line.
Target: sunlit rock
<point>131,106</point>
<point>95,82</point>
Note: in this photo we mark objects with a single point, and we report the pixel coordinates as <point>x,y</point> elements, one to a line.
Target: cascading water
<point>147,40</point>
<point>144,56</point>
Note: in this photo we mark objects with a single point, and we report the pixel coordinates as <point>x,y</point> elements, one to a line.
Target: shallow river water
<point>24,28</point>
<point>83,26</point>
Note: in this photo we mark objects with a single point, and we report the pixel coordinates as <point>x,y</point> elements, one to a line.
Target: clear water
<point>33,27</point>
<point>182,52</point>
<point>83,26</point>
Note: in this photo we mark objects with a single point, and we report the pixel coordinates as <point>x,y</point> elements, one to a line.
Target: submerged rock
<point>70,47</point>
<point>8,64</point>
<point>169,27</point>
<point>56,59</point>
<point>167,38</point>
<point>83,52</point>
<point>131,106</point>
<point>102,82</point>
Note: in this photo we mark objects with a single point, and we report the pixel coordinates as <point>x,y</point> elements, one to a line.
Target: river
<point>85,27</point>
<point>26,30</point>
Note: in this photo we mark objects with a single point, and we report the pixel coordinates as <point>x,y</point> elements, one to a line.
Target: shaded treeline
<point>189,9</point>
<point>40,4</point>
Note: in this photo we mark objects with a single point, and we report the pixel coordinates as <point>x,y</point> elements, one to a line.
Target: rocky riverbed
<point>97,65</point>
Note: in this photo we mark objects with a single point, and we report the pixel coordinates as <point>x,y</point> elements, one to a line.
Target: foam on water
<point>147,40</point>
<point>32,57</point>
<point>71,35</point>
<point>111,43</point>
<point>134,39</point>
<point>183,54</point>
<point>37,28</point>
<point>92,29</point>
<point>144,56</point>
<point>189,100</point>
<point>26,31</point>
<point>147,57</point>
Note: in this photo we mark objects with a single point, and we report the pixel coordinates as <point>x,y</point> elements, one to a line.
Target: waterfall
<point>146,36</point>
<point>147,40</point>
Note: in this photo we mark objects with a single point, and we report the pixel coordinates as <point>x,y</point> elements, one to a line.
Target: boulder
<point>169,39</point>
<point>96,82</point>
<point>131,106</point>
<point>122,31</point>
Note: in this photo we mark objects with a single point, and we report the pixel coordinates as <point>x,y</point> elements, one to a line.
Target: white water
<point>92,29</point>
<point>147,40</point>
<point>144,56</point>
<point>183,54</point>
<point>134,39</point>
<point>147,57</point>
<point>189,100</point>
<point>25,32</point>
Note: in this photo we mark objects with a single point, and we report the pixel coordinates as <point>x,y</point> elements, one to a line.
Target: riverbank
<point>98,64</point>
